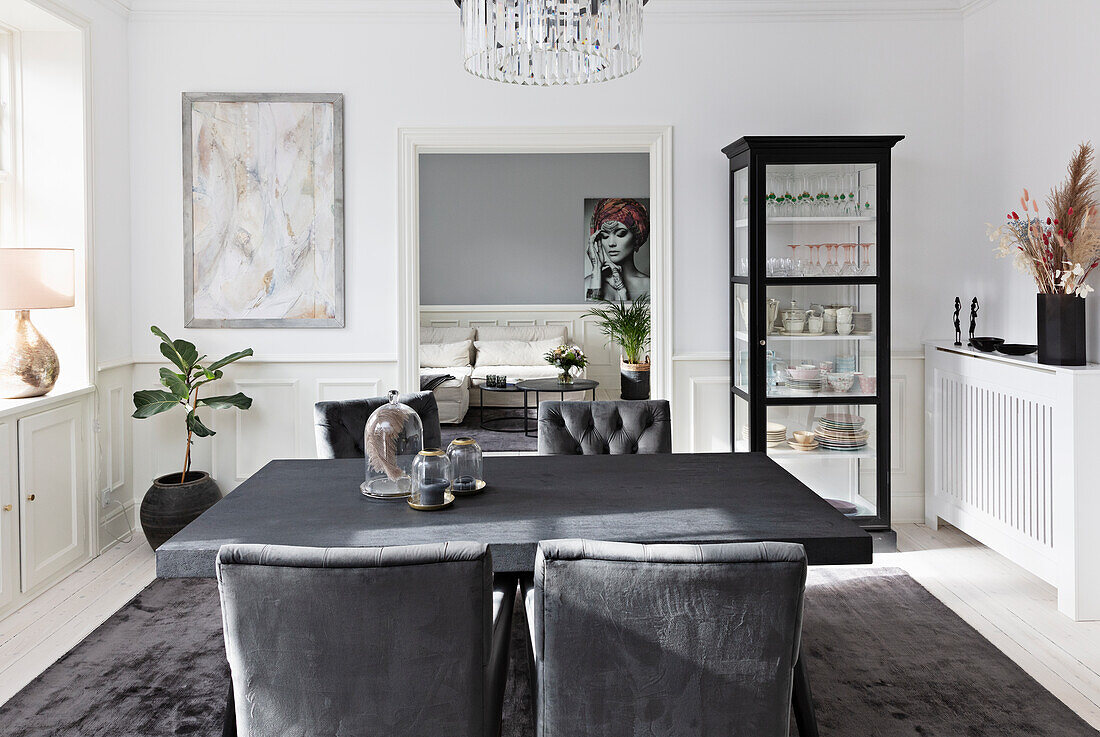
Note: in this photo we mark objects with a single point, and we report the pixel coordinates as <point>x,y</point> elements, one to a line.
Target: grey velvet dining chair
<point>667,640</point>
<point>339,426</point>
<point>616,427</point>
<point>402,641</point>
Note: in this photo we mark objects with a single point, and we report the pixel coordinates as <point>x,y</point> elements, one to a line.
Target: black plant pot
<point>1060,320</point>
<point>169,505</point>
<point>634,380</point>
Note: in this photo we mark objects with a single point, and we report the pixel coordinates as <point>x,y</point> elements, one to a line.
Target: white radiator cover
<point>1012,457</point>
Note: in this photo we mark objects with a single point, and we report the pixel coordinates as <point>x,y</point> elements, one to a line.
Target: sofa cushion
<point>513,352</point>
<point>524,332</point>
<point>445,335</point>
<point>442,355</point>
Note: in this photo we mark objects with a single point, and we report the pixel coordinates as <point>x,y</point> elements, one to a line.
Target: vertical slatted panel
<point>995,456</point>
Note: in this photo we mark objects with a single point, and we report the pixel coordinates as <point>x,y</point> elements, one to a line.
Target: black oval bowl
<point>986,344</point>
<point>1016,349</point>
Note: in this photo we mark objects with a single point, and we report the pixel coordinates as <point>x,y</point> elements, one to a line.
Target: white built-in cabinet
<point>44,499</point>
<point>52,493</point>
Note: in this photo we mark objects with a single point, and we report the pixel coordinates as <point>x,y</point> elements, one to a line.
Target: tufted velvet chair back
<point>604,428</point>
<point>392,641</point>
<point>339,425</point>
<point>665,639</point>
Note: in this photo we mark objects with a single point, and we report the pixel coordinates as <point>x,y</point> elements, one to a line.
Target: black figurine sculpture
<point>973,319</point>
<point>958,327</point>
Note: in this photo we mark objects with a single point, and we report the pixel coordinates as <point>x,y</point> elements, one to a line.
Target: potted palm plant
<point>628,325</point>
<point>174,500</point>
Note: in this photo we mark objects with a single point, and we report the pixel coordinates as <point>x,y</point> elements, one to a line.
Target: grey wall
<point>510,228</point>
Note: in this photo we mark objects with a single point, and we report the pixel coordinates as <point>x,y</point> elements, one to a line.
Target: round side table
<point>502,423</point>
<point>551,386</point>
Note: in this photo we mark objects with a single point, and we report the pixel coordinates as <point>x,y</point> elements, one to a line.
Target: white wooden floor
<point>1009,606</point>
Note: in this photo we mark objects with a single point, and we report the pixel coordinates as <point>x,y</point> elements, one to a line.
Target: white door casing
<point>653,140</point>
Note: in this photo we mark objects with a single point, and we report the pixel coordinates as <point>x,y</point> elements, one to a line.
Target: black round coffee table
<point>553,386</point>
<point>501,424</point>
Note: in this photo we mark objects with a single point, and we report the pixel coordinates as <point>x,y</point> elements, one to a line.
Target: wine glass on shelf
<point>853,202</point>
<point>830,268</point>
<point>787,204</point>
<point>814,268</point>
<point>867,200</point>
<point>821,199</point>
<point>848,269</point>
<point>865,261</point>
<point>796,264</point>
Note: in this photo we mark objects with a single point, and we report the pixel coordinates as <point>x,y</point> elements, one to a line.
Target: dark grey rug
<point>886,658</point>
<point>490,440</point>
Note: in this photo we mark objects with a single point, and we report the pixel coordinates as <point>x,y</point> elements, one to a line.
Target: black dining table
<point>667,498</point>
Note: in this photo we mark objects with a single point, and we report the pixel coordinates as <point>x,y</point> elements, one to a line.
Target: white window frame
<point>11,209</point>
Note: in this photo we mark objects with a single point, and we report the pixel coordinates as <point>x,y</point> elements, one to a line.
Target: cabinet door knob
<point>30,497</point>
<point>7,507</point>
<point>763,342</point>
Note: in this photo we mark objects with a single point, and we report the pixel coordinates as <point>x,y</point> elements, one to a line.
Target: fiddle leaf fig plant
<point>183,389</point>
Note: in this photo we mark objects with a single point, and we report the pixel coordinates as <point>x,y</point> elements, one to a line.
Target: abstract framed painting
<point>263,210</point>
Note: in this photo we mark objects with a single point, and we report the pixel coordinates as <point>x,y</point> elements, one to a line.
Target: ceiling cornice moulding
<point>660,11</point>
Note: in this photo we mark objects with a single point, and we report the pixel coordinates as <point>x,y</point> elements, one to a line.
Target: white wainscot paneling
<point>603,360</point>
<point>268,430</point>
<point>279,424</point>
<point>335,390</point>
<point>113,453</point>
<point>701,420</point>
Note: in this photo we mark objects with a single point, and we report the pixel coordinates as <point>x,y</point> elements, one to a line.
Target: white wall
<point>714,81</point>
<point>1030,98</point>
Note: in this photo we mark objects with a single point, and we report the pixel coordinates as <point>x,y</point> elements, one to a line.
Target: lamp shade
<point>36,278</point>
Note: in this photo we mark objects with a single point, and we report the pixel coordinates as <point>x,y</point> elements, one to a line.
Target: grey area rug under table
<point>491,440</point>
<point>886,658</point>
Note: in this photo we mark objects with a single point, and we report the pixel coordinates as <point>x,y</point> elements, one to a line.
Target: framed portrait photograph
<point>263,210</point>
<point>616,248</point>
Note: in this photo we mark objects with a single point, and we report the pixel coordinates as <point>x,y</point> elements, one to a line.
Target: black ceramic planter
<point>169,506</point>
<point>1060,322</point>
<point>634,380</point>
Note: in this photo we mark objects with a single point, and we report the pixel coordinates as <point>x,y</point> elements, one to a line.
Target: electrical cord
<point>130,535</point>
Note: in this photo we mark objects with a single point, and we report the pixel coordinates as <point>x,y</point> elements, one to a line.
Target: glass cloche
<point>431,473</point>
<point>392,438</point>
<point>466,466</point>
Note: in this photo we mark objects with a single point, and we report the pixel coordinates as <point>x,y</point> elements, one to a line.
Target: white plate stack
<point>777,434</point>
<point>861,323</point>
<point>806,385</point>
<point>841,432</point>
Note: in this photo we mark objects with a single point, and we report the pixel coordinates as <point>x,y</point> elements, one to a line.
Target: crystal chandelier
<point>550,42</point>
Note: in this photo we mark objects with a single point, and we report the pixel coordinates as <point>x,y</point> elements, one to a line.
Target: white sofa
<point>514,351</point>
<point>452,396</point>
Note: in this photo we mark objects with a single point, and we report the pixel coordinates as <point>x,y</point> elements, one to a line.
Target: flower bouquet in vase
<point>565,358</point>
<point>1059,252</point>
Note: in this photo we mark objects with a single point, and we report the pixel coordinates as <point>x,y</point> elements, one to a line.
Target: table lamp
<point>31,279</point>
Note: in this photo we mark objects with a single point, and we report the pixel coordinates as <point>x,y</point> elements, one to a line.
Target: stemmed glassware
<point>815,261</point>
<point>849,267</point>
<point>832,268</point>
<point>865,262</point>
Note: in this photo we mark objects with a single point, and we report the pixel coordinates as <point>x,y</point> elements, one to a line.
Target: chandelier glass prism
<point>551,42</point>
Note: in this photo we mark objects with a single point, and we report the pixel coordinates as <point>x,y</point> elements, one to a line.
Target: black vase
<point>169,505</point>
<point>634,380</point>
<point>1060,322</point>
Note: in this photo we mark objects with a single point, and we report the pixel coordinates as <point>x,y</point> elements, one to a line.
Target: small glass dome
<point>393,436</point>
<point>431,473</point>
<point>466,466</point>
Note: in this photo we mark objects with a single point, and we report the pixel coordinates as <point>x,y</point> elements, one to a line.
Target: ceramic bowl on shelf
<point>986,344</point>
<point>804,437</point>
<point>1016,349</point>
<point>804,374</point>
<point>841,382</point>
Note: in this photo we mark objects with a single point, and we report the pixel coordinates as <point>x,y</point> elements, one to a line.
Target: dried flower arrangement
<point>1060,253</point>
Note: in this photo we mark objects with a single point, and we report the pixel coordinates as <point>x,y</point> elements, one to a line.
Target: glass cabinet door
<point>743,312</point>
<point>821,220</point>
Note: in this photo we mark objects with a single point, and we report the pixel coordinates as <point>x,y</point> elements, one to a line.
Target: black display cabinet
<point>810,312</point>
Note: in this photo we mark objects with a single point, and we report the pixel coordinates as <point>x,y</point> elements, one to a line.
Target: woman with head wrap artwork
<point>618,229</point>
